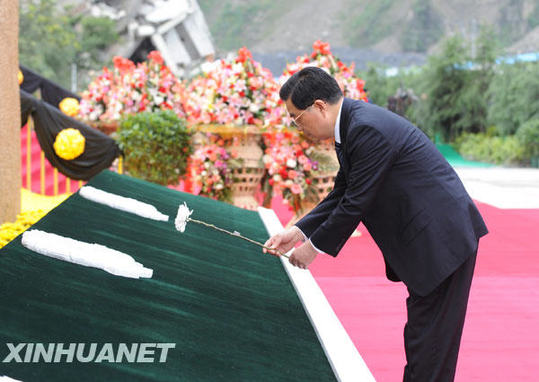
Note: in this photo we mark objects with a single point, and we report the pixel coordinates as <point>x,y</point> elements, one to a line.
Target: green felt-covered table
<point>231,311</point>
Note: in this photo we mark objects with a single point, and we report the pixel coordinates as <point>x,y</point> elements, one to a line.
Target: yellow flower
<point>70,106</point>
<point>20,77</point>
<point>69,144</point>
<point>9,231</point>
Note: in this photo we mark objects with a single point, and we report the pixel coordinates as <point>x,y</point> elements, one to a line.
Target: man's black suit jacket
<point>394,179</point>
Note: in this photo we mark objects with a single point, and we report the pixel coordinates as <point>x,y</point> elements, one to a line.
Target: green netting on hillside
<point>231,311</point>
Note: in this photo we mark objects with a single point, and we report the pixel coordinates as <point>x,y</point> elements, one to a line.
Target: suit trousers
<point>434,328</point>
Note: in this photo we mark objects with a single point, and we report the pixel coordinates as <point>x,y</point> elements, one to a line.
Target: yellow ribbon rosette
<point>69,144</point>
<point>70,106</point>
<point>20,77</point>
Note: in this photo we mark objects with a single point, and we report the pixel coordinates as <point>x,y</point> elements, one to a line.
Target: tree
<point>475,100</point>
<point>514,96</point>
<point>50,40</point>
<point>457,85</point>
<point>446,78</point>
<point>47,41</point>
<point>377,85</point>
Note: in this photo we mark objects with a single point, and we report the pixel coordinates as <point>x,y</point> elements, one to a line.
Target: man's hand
<point>303,256</point>
<point>283,241</point>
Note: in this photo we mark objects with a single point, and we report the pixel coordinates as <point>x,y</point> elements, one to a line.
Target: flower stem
<point>236,235</point>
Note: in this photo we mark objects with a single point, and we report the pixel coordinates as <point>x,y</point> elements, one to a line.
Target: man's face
<point>312,121</point>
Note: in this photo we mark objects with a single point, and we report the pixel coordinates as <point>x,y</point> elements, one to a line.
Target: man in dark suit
<point>394,180</point>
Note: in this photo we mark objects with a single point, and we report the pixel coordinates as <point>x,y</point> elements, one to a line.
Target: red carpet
<point>501,335</point>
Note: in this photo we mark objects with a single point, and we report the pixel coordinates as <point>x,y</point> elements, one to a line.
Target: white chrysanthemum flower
<point>183,217</point>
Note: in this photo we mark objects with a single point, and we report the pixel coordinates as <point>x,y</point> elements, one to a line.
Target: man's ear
<point>321,105</point>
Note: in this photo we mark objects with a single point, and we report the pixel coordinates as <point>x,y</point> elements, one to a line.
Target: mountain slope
<point>386,26</point>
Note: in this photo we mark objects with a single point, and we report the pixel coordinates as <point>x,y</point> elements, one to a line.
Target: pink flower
<point>296,189</point>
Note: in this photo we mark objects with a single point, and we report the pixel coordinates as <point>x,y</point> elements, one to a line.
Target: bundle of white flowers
<point>122,203</point>
<point>86,254</point>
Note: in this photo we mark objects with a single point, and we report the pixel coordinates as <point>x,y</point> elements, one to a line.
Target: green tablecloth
<point>231,311</point>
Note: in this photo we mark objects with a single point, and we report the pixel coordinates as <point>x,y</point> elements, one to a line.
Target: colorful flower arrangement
<point>236,91</point>
<point>351,85</point>
<point>130,89</point>
<point>212,166</point>
<point>290,168</point>
<point>232,92</point>
<point>294,166</point>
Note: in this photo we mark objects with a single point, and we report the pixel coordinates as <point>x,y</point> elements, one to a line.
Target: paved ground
<point>502,187</point>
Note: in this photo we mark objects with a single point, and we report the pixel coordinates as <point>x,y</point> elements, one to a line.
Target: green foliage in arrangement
<point>156,146</point>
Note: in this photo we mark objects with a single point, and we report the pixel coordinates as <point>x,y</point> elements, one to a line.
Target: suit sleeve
<point>310,222</point>
<point>370,157</point>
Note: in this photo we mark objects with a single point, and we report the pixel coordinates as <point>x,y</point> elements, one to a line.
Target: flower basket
<point>322,180</point>
<point>298,170</point>
<point>244,142</point>
<point>107,127</point>
<point>325,178</point>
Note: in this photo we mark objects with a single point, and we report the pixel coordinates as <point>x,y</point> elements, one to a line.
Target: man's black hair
<point>308,85</point>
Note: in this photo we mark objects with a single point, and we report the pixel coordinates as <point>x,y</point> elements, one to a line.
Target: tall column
<point>10,128</point>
